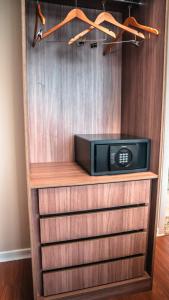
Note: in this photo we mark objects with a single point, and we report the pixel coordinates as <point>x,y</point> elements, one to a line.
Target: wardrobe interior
<point>75,89</point>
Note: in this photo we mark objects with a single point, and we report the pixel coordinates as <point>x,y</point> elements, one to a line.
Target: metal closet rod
<point>125,2</point>
<point>134,2</point>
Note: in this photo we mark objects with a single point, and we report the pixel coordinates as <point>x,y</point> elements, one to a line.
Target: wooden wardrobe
<point>91,236</point>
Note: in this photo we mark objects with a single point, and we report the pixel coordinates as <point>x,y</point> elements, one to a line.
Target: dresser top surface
<point>44,175</point>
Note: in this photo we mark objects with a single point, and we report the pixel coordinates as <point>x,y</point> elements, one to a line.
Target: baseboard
<point>15,255</point>
<point>160,232</point>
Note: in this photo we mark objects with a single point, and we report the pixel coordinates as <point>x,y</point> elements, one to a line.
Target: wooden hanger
<point>38,16</point>
<point>131,21</point>
<point>106,17</point>
<point>79,14</point>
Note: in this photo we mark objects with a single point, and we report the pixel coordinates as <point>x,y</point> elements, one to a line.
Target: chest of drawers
<point>92,235</point>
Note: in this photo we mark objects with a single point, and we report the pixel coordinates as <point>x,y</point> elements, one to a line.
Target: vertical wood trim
<point>32,198</point>
<point>24,83</point>
<point>35,244</point>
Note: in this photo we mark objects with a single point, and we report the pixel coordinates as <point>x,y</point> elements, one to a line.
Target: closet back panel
<point>71,90</point>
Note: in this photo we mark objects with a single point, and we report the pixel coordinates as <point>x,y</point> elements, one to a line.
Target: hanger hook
<point>104,4</point>
<point>130,7</point>
<point>76,3</point>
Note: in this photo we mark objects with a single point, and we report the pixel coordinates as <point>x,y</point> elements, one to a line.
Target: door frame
<point>164,156</point>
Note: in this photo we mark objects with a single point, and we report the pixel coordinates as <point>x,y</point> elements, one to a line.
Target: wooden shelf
<point>69,174</point>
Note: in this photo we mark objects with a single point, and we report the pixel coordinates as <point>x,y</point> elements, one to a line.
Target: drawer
<point>77,226</point>
<point>89,251</point>
<point>89,197</point>
<point>93,275</point>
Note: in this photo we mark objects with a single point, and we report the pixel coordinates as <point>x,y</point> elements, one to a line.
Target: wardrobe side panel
<point>142,81</point>
<point>142,97</point>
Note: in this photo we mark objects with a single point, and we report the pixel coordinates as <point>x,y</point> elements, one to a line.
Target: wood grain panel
<point>63,101</point>
<point>35,241</point>
<point>93,224</point>
<point>78,253</point>
<point>94,275</point>
<point>79,198</point>
<point>142,81</point>
<point>124,287</point>
<point>70,174</point>
<point>21,283</point>
<point>143,94</point>
<point>23,290</point>
<point>71,90</point>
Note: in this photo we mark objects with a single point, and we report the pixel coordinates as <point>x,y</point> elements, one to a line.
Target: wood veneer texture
<point>70,174</point>
<point>142,117</point>
<point>32,194</point>
<point>142,97</point>
<point>79,226</point>
<point>94,275</point>
<point>71,89</point>
<point>79,198</point>
<point>23,290</point>
<point>90,251</point>
<point>35,242</point>
<point>142,81</point>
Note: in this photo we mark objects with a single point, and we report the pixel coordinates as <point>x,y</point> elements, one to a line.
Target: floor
<point>16,280</point>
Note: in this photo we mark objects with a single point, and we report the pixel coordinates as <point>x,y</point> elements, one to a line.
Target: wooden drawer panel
<point>83,252</point>
<point>89,197</point>
<point>93,275</point>
<point>62,228</point>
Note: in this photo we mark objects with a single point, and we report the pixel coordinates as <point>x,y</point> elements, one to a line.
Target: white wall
<point>164,201</point>
<point>14,232</point>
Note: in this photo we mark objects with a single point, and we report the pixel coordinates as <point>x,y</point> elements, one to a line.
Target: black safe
<point>107,154</point>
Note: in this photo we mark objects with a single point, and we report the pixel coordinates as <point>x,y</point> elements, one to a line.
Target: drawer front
<point>84,252</point>
<point>62,228</point>
<point>89,197</point>
<point>91,276</point>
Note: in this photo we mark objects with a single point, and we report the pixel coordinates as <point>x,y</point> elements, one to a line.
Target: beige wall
<point>164,199</point>
<point>14,233</point>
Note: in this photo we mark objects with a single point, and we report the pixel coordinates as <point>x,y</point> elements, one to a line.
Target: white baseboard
<point>15,255</point>
<point>160,232</point>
